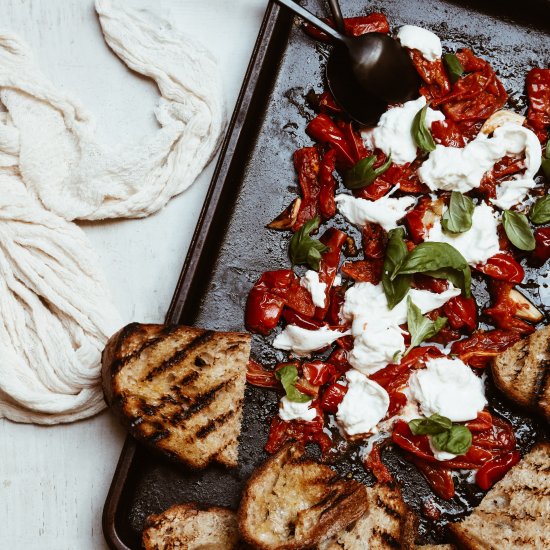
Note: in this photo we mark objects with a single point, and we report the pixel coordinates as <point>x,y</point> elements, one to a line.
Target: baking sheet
<point>253,182</point>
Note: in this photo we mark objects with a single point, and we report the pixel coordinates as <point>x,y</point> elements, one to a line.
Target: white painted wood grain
<point>53,481</point>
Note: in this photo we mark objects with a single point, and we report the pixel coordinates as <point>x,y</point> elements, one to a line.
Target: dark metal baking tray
<point>254,180</point>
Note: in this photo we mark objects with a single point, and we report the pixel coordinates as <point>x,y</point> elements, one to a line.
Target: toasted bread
<point>179,389</point>
<point>293,502</point>
<point>192,527</point>
<point>522,372</point>
<point>515,513</point>
<point>387,525</point>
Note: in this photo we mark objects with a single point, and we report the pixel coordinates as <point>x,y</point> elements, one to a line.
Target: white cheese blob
<point>385,211</point>
<point>337,280</point>
<point>310,281</point>
<point>291,410</point>
<point>440,455</point>
<point>302,341</point>
<point>363,406</point>
<point>393,133</point>
<point>375,328</point>
<point>423,40</point>
<point>479,243</point>
<point>376,347</point>
<point>448,387</point>
<point>512,192</point>
<point>462,169</point>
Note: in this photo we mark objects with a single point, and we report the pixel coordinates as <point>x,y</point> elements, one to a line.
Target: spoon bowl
<point>364,73</point>
<point>363,107</point>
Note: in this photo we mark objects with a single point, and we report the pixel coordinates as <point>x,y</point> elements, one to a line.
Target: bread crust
<point>522,372</point>
<point>329,503</point>
<point>515,513</point>
<point>192,526</point>
<point>179,390</point>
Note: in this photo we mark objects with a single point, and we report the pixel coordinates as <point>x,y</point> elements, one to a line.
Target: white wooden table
<point>53,481</point>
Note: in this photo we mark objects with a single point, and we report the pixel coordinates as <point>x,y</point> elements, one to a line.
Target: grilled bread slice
<point>522,372</point>
<point>179,389</point>
<point>192,527</point>
<point>293,502</point>
<point>387,525</point>
<point>515,513</point>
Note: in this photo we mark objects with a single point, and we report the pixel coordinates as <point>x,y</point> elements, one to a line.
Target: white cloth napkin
<point>55,310</point>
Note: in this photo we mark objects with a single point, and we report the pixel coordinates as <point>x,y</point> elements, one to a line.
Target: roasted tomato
<point>332,397</point>
<point>323,130</point>
<point>354,26</point>
<point>366,271</point>
<point>495,469</point>
<point>461,312</point>
<point>319,373</point>
<point>307,163</point>
<point>259,376</point>
<point>542,247</point>
<point>482,346</point>
<point>282,432</point>
<point>538,91</point>
<point>328,267</point>
<point>267,299</point>
<point>439,478</point>
<point>505,310</point>
<point>502,266</point>
<point>374,463</point>
<point>422,217</point>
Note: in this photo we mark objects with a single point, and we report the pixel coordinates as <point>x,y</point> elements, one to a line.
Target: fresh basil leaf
<point>421,133</point>
<point>540,211</point>
<point>545,164</point>
<point>288,375</point>
<point>518,230</point>
<point>396,251</point>
<point>432,425</point>
<point>453,66</point>
<point>439,260</point>
<point>457,440</point>
<point>363,173</point>
<point>305,250</point>
<point>421,328</point>
<point>458,217</point>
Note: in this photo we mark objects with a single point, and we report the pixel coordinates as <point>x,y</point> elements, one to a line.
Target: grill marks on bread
<point>292,502</point>
<point>192,527</point>
<point>515,513</point>
<point>387,525</point>
<point>522,372</point>
<point>180,389</point>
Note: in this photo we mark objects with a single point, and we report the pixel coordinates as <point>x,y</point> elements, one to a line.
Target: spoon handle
<point>310,18</point>
<point>337,15</point>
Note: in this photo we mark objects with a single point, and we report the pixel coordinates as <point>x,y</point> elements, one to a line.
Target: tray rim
<point>195,250</point>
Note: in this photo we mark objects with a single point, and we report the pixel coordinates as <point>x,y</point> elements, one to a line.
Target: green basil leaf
<point>305,250</point>
<point>421,328</point>
<point>439,260</point>
<point>396,251</point>
<point>421,133</point>
<point>363,173</point>
<point>457,440</point>
<point>288,375</point>
<point>432,425</point>
<point>540,211</point>
<point>545,164</point>
<point>518,230</point>
<point>458,217</point>
<point>453,66</point>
